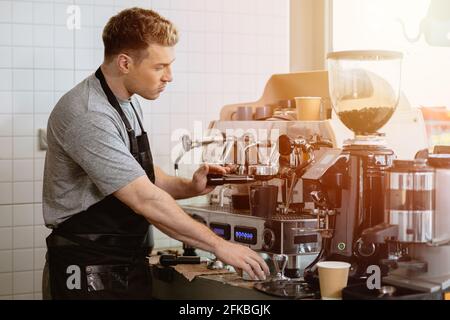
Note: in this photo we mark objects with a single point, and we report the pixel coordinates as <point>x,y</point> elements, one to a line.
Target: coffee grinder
<point>417,226</point>
<point>347,185</point>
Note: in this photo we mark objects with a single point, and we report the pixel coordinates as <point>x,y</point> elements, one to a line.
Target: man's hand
<point>242,258</point>
<point>199,178</point>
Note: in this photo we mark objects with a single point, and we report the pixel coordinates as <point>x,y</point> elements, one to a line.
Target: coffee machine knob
<point>269,239</point>
<point>365,249</point>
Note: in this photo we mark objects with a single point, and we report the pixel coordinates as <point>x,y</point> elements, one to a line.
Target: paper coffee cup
<point>333,277</point>
<point>308,108</point>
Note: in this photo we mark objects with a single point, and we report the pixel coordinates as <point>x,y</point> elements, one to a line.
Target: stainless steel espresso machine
<point>297,197</point>
<point>260,203</point>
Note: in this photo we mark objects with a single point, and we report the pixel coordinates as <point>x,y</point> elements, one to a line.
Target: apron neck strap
<point>112,98</point>
<point>115,104</point>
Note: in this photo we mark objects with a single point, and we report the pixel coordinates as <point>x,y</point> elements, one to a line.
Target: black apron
<point>101,253</point>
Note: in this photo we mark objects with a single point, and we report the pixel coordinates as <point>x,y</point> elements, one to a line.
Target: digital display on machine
<point>245,235</point>
<point>223,230</point>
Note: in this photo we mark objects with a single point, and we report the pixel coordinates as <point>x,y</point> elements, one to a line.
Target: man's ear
<point>124,63</point>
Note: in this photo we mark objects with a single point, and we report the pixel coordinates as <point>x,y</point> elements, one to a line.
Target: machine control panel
<point>223,230</point>
<point>246,235</point>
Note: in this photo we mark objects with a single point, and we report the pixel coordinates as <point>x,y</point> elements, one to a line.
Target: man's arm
<point>160,209</point>
<point>177,187</point>
<point>180,188</point>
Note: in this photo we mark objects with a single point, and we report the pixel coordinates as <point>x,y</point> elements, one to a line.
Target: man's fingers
<point>230,167</point>
<point>217,169</point>
<point>249,271</point>
<point>257,269</point>
<point>261,263</point>
<point>207,190</point>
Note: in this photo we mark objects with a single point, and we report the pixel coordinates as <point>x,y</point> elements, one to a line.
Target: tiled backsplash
<point>227,51</point>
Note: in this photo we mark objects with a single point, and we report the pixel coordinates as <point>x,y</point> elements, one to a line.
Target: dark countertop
<point>168,284</point>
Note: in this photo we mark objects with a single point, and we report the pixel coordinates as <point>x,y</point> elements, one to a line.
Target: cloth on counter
<point>232,279</point>
<point>190,271</point>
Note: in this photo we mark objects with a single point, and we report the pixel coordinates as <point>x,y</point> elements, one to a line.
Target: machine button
<point>269,239</point>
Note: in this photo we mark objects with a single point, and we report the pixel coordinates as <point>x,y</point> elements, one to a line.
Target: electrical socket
<point>43,139</point>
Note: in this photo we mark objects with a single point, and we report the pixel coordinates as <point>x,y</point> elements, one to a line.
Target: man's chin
<point>153,96</point>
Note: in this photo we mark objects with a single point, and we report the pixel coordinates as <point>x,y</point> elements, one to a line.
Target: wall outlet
<point>43,139</point>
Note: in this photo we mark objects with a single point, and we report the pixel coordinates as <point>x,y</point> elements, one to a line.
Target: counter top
<point>168,284</point>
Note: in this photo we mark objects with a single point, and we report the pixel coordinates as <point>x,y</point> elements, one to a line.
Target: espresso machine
<point>260,202</point>
<point>330,200</point>
<point>347,185</point>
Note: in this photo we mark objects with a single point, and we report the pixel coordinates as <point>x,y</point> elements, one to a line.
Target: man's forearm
<point>160,209</point>
<point>167,216</point>
<point>179,188</point>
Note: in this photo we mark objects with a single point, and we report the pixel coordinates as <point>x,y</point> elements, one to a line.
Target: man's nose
<point>167,77</point>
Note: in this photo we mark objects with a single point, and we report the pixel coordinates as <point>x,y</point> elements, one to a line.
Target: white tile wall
<point>28,296</point>
<point>23,215</point>
<point>6,98</point>
<point>5,34</point>
<point>6,125</point>
<point>23,192</point>
<point>43,13</point>
<point>5,193</point>
<point>23,260</point>
<point>23,283</point>
<point>6,261</point>
<point>23,125</point>
<point>22,102</point>
<point>6,238</point>
<point>22,237</point>
<point>22,12</point>
<point>22,34</point>
<point>6,216</point>
<point>6,284</point>
<point>226,53</point>
<point>5,79</point>
<point>38,282</point>
<point>23,147</point>
<point>6,54</point>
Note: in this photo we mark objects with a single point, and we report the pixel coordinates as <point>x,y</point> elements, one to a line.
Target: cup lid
<point>333,265</point>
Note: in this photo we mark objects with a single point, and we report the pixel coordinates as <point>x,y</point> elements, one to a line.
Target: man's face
<point>149,77</point>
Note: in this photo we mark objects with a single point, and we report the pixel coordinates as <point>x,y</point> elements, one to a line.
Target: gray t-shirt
<point>88,155</point>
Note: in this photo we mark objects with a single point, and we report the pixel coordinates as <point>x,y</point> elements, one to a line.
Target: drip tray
<point>361,292</point>
<point>289,289</point>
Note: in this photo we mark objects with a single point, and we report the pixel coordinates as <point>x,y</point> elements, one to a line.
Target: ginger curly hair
<point>132,30</point>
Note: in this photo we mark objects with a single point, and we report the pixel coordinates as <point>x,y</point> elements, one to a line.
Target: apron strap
<point>115,104</point>
<point>138,118</point>
<point>114,244</point>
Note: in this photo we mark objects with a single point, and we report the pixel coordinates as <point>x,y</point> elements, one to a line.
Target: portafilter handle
<point>219,179</point>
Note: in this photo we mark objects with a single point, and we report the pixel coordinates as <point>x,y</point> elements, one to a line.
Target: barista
<point>101,189</point>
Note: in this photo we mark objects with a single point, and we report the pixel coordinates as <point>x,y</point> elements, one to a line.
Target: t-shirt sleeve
<point>95,144</point>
